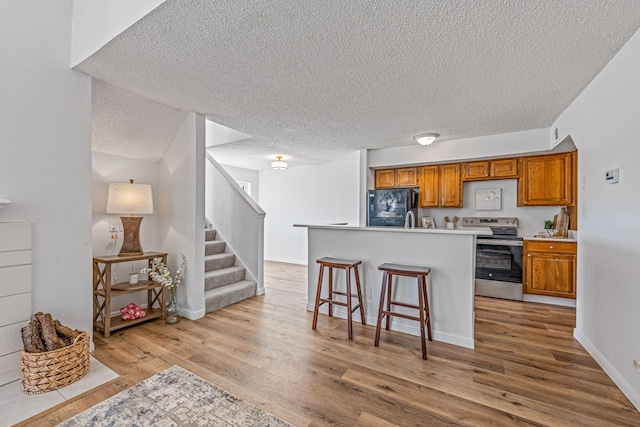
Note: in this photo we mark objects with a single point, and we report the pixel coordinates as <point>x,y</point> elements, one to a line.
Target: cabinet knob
<point>526,203</point>
<point>550,247</point>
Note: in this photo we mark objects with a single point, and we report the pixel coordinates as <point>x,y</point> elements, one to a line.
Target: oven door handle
<point>497,242</point>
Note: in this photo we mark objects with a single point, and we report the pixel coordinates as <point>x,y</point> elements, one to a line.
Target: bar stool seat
<point>386,303</point>
<point>346,265</point>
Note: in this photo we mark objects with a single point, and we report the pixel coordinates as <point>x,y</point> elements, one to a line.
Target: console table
<point>104,291</point>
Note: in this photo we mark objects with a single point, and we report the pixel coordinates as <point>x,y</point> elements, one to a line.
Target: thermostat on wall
<point>612,176</point>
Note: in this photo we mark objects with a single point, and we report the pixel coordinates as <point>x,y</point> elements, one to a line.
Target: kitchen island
<point>450,254</point>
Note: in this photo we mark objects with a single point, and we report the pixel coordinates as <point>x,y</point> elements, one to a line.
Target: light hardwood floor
<point>526,369</point>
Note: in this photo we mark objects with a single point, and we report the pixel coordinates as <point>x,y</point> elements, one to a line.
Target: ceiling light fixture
<point>279,165</point>
<point>426,138</point>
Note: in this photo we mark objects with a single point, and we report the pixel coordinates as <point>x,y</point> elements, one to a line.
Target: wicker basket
<point>51,370</point>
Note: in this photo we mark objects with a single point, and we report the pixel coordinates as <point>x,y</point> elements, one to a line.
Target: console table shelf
<point>104,291</point>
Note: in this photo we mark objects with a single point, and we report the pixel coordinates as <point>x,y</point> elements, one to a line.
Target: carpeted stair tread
<point>218,298</point>
<point>223,277</point>
<point>215,247</point>
<point>210,235</point>
<point>219,261</point>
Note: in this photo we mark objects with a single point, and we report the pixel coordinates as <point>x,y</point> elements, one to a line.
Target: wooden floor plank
<point>526,369</point>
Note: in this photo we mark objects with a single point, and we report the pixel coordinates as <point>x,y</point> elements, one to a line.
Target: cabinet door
<point>546,181</point>
<point>473,171</point>
<point>429,187</point>
<point>385,178</point>
<point>407,177</point>
<point>450,186</point>
<point>550,274</point>
<point>504,168</point>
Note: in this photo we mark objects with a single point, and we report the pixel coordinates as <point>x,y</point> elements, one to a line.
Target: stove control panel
<point>489,222</point>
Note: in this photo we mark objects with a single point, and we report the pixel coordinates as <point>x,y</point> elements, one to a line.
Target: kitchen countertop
<point>482,231</point>
<point>573,237</point>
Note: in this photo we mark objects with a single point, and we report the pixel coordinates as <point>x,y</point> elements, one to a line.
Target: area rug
<point>175,397</point>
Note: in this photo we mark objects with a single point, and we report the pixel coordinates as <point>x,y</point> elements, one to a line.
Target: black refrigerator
<point>388,208</point>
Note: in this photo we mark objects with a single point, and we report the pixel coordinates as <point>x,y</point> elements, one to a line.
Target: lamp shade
<point>129,198</point>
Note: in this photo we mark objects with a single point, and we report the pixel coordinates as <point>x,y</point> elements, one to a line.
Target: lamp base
<point>131,231</point>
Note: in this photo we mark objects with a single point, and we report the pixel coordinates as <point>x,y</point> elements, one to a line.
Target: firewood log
<point>68,335</point>
<point>49,334</point>
<point>31,337</point>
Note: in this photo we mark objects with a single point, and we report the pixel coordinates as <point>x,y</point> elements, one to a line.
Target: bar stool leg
<point>383,293</point>
<point>422,319</point>
<point>317,305</point>
<point>426,306</point>
<point>360,299</point>
<point>389,292</point>
<point>349,305</point>
<point>330,308</point>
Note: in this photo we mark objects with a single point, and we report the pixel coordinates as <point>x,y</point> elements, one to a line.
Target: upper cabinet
<point>490,169</point>
<point>440,186</point>
<point>385,178</point>
<point>396,178</point>
<point>547,180</point>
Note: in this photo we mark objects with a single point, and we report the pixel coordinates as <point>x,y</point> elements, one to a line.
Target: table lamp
<point>130,199</point>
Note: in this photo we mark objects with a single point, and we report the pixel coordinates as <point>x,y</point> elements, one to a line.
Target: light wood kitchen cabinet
<point>429,187</point>
<point>396,178</point>
<point>440,186</point>
<point>547,180</point>
<point>407,177</point>
<point>550,268</point>
<point>385,178</point>
<point>490,169</point>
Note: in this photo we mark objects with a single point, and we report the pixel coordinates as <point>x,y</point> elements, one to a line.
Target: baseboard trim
<point>398,326</point>
<point>288,261</point>
<point>192,314</point>
<point>609,369</point>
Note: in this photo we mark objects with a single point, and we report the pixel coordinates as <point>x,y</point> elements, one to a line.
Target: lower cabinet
<point>550,268</point>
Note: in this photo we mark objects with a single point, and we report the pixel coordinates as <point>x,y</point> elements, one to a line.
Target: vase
<point>172,310</point>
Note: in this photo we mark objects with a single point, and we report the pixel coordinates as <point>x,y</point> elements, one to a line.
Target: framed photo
<point>428,222</point>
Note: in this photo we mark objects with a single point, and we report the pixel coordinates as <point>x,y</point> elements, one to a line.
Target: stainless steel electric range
<point>498,258</point>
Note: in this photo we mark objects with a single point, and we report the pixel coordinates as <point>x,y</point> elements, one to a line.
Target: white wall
<point>181,179</point>
<point>603,122</point>
<point>324,193</point>
<point>96,22</point>
<point>531,218</point>
<point>246,175</point>
<point>108,168</point>
<point>460,149</point>
<point>45,154</point>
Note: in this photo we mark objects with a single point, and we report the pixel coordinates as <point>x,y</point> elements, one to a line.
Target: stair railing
<point>237,218</point>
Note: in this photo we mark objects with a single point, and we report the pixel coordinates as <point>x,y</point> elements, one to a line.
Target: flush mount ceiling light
<point>426,138</point>
<point>279,165</point>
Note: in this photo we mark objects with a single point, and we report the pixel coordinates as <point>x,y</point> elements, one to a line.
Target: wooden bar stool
<point>346,265</point>
<point>419,273</point>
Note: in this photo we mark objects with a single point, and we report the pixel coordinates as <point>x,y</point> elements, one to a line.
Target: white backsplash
<point>531,218</point>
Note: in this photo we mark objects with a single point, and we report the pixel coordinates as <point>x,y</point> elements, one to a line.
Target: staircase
<point>224,282</point>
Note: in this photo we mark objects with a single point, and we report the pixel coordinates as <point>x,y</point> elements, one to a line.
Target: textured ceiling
<point>313,79</point>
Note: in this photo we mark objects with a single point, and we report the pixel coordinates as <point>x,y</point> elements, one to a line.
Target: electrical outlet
<point>367,293</point>
<point>636,363</point>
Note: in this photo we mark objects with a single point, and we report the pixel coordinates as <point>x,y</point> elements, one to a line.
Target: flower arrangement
<point>132,311</point>
<point>161,274</point>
